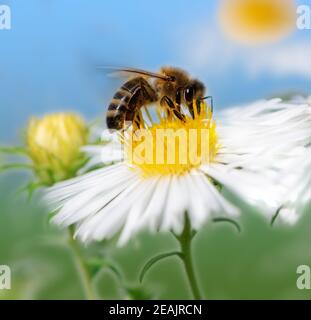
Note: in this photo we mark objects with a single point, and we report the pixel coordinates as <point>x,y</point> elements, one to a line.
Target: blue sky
<point>49,57</point>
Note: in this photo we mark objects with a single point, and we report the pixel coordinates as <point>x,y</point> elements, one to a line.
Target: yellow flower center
<point>53,144</point>
<point>172,146</point>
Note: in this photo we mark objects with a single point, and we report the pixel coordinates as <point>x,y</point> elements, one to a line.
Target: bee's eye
<point>189,94</point>
<point>178,96</point>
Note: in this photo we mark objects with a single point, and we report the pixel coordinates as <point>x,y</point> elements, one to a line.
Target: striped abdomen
<point>131,96</point>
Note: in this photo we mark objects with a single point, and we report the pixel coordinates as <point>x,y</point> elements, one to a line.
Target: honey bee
<point>171,87</point>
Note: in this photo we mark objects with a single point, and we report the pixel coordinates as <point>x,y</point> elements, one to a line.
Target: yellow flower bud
<point>53,144</point>
<point>257,21</point>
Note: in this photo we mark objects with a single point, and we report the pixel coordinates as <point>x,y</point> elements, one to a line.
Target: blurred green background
<point>258,263</point>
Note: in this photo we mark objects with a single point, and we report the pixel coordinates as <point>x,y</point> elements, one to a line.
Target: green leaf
<point>234,223</point>
<point>156,259</point>
<point>14,150</point>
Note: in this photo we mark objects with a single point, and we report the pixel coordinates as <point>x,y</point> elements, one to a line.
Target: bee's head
<point>180,87</point>
<point>194,90</point>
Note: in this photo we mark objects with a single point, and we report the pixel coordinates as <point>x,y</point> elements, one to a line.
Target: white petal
<point>111,218</point>
<point>175,208</point>
<point>88,202</point>
<point>82,196</point>
<point>133,218</point>
<point>250,187</point>
<point>197,208</point>
<point>156,205</point>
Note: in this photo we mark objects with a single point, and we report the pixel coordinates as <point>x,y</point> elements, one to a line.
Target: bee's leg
<point>129,119</point>
<point>178,108</point>
<point>148,92</point>
<point>133,118</point>
<point>139,118</point>
<point>164,104</point>
<point>190,108</point>
<point>136,121</point>
<point>198,106</point>
<point>171,107</point>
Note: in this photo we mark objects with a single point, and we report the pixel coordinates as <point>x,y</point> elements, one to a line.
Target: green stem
<point>82,267</point>
<point>186,256</point>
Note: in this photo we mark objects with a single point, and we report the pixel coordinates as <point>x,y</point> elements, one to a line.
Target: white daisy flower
<point>239,154</point>
<point>106,153</point>
<point>287,125</point>
<point>299,189</point>
<point>294,162</point>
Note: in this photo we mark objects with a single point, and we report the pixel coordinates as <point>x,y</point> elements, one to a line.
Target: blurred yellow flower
<point>257,21</point>
<point>53,144</point>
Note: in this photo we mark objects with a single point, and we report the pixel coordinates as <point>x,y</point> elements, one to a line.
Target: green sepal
<point>30,188</point>
<point>12,166</point>
<point>234,223</point>
<point>156,259</point>
<point>97,264</point>
<point>14,150</point>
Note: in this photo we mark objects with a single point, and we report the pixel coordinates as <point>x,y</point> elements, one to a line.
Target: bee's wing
<point>127,72</point>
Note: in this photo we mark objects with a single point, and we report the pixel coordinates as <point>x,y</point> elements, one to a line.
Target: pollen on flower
<point>172,146</point>
<point>53,144</point>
